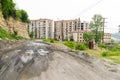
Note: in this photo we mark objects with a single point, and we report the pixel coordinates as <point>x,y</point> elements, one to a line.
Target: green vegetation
<point>96,26</point>
<point>6,35</point>
<point>8,10</point>
<point>49,40</point>
<point>75,46</point>
<point>88,36</point>
<point>69,44</point>
<point>81,46</point>
<point>31,34</point>
<point>111,53</point>
<point>101,45</point>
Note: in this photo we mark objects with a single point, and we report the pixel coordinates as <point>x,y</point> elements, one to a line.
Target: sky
<point>72,9</point>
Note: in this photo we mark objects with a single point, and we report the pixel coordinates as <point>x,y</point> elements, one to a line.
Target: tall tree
<point>96,26</point>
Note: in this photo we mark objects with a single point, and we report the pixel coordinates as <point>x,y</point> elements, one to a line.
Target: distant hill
<point>116,37</point>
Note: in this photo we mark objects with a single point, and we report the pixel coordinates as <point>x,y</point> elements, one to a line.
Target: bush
<point>115,48</point>
<point>102,45</point>
<point>81,46</point>
<point>48,40</point>
<point>51,41</point>
<point>106,54</point>
<point>70,44</point>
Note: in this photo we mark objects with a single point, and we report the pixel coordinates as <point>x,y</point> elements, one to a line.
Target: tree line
<point>9,10</point>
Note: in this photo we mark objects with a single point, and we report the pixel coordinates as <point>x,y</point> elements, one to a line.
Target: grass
<point>4,35</point>
<point>111,54</point>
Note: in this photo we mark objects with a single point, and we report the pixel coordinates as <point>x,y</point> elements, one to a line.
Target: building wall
<point>63,28</point>
<point>67,29</point>
<point>42,28</point>
<point>107,38</point>
<point>78,36</point>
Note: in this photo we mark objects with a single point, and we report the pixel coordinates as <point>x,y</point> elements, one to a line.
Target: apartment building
<point>42,28</point>
<point>63,28</point>
<point>70,29</point>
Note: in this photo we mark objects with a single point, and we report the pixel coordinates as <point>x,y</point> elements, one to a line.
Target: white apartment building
<point>42,28</point>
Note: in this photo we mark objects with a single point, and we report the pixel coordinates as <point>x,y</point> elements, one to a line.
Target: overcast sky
<point>71,9</point>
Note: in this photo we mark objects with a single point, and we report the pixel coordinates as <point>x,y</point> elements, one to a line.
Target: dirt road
<point>46,62</point>
<point>66,67</point>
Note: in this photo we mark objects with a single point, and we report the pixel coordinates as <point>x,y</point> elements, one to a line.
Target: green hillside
<point>4,35</point>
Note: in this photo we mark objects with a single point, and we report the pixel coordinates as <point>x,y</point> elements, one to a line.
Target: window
<point>44,21</point>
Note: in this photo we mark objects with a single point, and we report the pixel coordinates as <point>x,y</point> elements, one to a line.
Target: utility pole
<point>103,29</point>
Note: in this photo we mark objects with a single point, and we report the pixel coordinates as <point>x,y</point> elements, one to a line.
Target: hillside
<point>12,25</point>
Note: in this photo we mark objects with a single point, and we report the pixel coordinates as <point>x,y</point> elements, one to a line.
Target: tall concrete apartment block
<point>65,29</point>
<point>42,28</point>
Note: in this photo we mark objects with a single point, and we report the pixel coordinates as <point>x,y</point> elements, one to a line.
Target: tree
<point>88,36</point>
<point>8,8</point>
<point>96,26</point>
<point>24,16</point>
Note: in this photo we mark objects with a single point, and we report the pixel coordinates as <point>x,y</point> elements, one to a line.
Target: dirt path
<point>46,62</point>
<point>66,67</point>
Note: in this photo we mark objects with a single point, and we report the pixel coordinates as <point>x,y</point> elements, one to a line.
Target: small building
<point>107,38</point>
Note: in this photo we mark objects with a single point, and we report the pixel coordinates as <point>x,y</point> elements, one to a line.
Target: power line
<point>89,7</point>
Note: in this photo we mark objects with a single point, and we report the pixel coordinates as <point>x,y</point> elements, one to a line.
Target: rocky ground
<point>34,60</point>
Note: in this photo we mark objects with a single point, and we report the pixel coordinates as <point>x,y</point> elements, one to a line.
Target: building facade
<point>70,29</point>
<point>78,36</point>
<point>107,38</point>
<point>42,28</point>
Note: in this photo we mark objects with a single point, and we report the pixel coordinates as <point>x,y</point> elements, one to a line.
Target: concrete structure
<point>78,36</point>
<point>42,28</point>
<point>70,29</point>
<point>107,38</point>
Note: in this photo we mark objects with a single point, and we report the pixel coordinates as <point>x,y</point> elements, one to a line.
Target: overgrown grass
<point>81,46</point>
<point>112,53</point>
<point>69,44</point>
<point>49,40</point>
<point>74,45</point>
<point>4,35</point>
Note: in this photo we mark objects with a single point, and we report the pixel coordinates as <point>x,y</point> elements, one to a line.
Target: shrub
<point>115,48</point>
<point>70,44</point>
<point>81,46</point>
<point>106,54</point>
<point>48,40</point>
<point>102,45</point>
<point>51,41</point>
